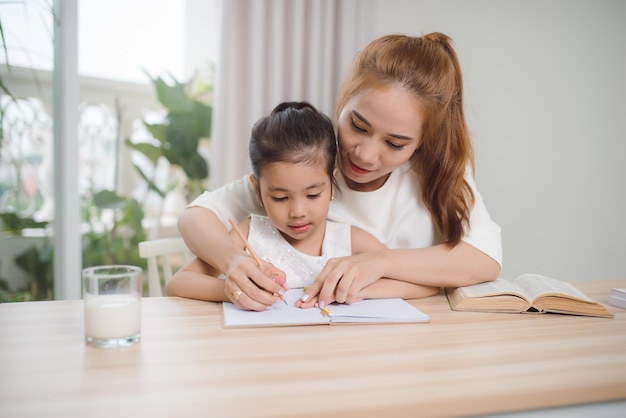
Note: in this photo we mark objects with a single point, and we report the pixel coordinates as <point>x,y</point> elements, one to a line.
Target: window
<point>119,42</point>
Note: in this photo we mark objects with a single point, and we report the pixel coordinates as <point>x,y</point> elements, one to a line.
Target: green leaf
<point>158,131</point>
<point>151,152</point>
<point>28,260</point>
<point>150,183</point>
<point>201,120</point>
<point>181,135</point>
<point>11,222</point>
<point>107,199</point>
<point>172,97</point>
<point>195,167</point>
<point>132,216</point>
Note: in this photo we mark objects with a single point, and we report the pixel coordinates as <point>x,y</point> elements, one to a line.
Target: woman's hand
<point>342,280</point>
<point>253,287</point>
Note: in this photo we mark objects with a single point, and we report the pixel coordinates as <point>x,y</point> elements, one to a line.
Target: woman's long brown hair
<point>427,67</point>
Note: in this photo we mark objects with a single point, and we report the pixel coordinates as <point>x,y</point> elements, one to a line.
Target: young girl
<point>406,176</point>
<point>292,153</point>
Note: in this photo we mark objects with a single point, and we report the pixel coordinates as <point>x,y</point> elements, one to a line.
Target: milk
<point>112,316</point>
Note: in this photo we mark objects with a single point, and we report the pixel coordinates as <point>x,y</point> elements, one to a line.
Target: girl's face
<point>378,130</point>
<point>296,197</point>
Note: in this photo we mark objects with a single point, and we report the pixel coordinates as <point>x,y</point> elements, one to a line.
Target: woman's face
<point>378,129</point>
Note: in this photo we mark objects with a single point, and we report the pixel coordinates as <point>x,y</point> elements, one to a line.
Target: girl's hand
<point>252,287</point>
<point>343,280</point>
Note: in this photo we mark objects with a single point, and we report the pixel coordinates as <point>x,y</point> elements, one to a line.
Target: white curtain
<point>277,50</point>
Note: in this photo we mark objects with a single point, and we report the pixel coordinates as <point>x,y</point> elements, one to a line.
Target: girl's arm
<point>197,280</point>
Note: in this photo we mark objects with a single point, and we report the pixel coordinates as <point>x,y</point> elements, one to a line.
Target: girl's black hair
<point>295,132</point>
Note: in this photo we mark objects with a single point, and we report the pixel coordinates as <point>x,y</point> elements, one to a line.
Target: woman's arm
<point>437,266</point>
<point>441,265</point>
<point>209,239</point>
<point>350,284</point>
<point>390,288</point>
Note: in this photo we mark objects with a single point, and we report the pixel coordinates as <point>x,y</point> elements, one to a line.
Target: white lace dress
<point>301,269</point>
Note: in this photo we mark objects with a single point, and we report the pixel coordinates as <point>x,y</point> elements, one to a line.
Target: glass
<point>112,299</point>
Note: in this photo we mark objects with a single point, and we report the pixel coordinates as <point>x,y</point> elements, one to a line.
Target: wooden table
<point>459,364</point>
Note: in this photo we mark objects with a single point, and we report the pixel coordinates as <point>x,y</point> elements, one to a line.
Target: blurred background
<point>544,89</point>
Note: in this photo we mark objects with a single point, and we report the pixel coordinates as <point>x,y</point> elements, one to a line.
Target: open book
<point>365,312</point>
<point>528,293</point>
<point>617,297</point>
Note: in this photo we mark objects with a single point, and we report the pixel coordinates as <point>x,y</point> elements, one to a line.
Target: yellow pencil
<point>250,250</point>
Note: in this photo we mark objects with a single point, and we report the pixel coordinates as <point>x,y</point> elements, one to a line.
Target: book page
<point>377,310</point>
<point>367,311</point>
<point>496,287</point>
<point>618,293</point>
<point>617,297</point>
<point>536,285</point>
<point>279,315</point>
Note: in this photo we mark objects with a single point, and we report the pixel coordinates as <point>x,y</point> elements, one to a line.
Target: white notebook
<point>370,311</point>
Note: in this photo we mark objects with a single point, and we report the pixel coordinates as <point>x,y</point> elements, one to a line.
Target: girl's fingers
<point>310,303</point>
<point>311,293</point>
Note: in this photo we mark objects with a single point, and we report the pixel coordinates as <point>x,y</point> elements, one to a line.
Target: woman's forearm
<point>389,288</point>
<point>207,237</point>
<point>440,265</point>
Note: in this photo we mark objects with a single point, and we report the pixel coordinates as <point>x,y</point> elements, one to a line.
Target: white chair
<point>159,253</point>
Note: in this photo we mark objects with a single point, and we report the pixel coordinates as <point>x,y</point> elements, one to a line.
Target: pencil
<point>245,242</point>
<point>250,250</point>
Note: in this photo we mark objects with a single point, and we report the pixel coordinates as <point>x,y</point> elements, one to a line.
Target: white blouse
<point>395,213</point>
<point>301,269</point>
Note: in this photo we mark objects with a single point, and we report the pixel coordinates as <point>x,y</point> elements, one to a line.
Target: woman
<point>405,175</point>
<point>292,153</point>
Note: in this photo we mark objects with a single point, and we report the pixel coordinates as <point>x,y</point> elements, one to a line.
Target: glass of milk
<point>112,299</point>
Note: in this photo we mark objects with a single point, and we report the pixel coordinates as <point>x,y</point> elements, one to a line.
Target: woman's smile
<point>357,169</point>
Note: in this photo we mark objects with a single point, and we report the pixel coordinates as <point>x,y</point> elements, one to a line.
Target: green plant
<point>178,136</point>
<point>118,241</point>
<point>36,262</point>
<point>14,224</point>
<point>9,295</point>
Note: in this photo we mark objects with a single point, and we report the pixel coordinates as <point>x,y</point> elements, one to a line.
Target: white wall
<point>546,103</point>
